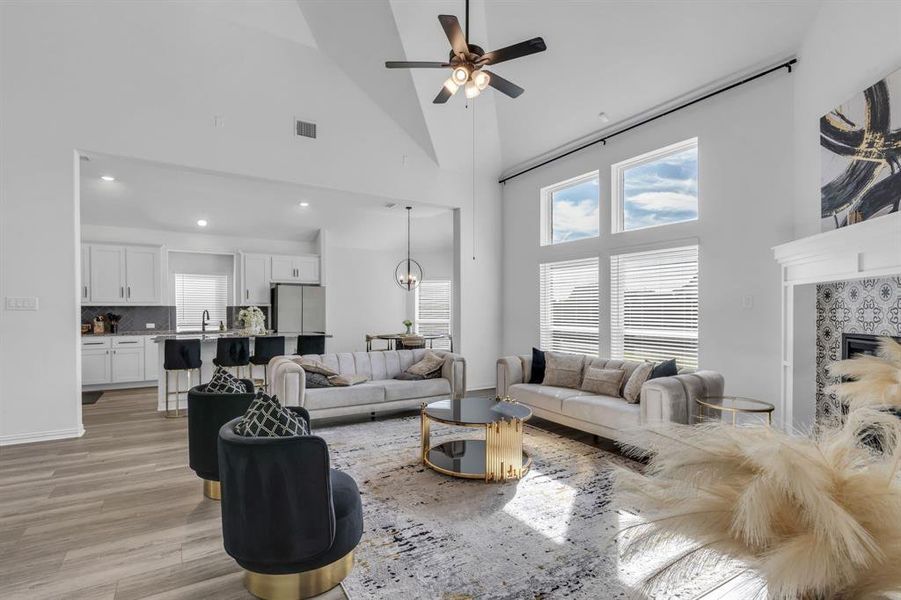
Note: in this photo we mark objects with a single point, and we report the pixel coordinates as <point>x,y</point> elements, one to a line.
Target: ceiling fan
<point>468,61</point>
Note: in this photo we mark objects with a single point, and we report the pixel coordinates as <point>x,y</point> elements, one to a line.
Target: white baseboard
<point>40,436</point>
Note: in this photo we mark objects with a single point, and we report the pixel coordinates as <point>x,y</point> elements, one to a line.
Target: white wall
<point>144,80</point>
<point>745,187</point>
<point>200,263</point>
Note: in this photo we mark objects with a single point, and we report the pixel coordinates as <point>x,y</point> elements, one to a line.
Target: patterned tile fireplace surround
<point>864,306</point>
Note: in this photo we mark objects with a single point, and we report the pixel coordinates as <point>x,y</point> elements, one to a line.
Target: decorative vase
<point>409,330</point>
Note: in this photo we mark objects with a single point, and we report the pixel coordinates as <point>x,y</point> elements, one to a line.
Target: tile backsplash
<point>134,318</point>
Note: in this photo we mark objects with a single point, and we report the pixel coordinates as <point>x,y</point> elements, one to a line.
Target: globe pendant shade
<point>408,274</point>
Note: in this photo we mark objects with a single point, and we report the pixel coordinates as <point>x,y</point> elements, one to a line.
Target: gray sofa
<point>382,393</point>
<point>665,399</point>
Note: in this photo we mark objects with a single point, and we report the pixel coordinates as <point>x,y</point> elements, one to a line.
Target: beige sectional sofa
<point>665,399</point>
<point>381,393</point>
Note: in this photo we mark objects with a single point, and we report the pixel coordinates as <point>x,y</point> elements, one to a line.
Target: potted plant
<point>253,319</point>
<point>409,325</point>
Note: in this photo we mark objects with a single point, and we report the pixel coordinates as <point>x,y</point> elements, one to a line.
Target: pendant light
<point>408,273</point>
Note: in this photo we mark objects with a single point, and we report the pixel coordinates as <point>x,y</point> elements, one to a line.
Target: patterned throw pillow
<point>632,389</point>
<point>316,380</point>
<point>429,363</point>
<point>265,417</point>
<point>605,382</point>
<point>347,380</point>
<point>315,366</point>
<point>224,382</point>
<point>563,369</point>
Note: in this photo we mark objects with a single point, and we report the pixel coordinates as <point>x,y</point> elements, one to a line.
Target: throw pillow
<point>537,374</point>
<point>562,369</point>
<point>347,380</point>
<point>224,382</point>
<point>605,382</point>
<point>666,368</point>
<point>316,380</point>
<point>315,366</point>
<point>265,417</point>
<point>632,389</point>
<point>429,363</point>
<point>409,377</point>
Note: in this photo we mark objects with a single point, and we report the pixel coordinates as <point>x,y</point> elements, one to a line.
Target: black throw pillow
<point>404,376</point>
<point>265,417</point>
<point>666,368</point>
<point>224,382</point>
<point>537,374</point>
<point>317,380</point>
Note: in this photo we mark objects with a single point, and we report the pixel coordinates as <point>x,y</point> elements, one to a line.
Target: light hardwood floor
<point>116,514</point>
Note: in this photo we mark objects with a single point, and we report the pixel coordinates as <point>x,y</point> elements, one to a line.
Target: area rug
<point>427,535</point>
<point>90,397</point>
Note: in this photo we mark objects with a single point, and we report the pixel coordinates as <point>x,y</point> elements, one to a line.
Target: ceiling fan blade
<point>443,96</point>
<point>503,85</point>
<point>454,34</point>
<point>515,51</point>
<point>407,64</point>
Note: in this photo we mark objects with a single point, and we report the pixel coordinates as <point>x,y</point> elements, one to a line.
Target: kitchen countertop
<point>215,335</point>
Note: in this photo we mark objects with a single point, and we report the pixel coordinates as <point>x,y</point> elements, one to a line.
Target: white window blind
<point>433,310</point>
<point>195,293</point>
<point>569,306</point>
<point>654,306</point>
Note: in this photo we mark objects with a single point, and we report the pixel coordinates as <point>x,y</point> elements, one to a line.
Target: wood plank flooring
<point>117,514</point>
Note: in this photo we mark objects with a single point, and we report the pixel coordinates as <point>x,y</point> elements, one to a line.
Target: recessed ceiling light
<point>201,222</point>
<point>603,117</point>
<point>107,178</point>
<point>304,204</point>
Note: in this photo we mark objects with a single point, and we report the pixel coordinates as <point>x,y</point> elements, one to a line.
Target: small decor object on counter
<point>253,319</point>
<point>113,320</point>
<point>224,382</point>
<point>221,326</point>
<point>409,325</point>
<point>265,417</point>
<point>85,328</point>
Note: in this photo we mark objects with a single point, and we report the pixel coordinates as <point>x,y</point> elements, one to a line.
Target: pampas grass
<point>874,380</point>
<point>816,518</point>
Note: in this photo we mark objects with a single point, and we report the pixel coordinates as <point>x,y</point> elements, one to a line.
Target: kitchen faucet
<point>205,317</point>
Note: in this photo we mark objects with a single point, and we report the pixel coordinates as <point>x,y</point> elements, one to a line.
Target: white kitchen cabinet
<point>118,274</point>
<point>85,273</point>
<point>107,279</point>
<point>142,275</point>
<point>95,363</point>
<point>295,269</point>
<point>127,364</point>
<point>151,359</point>
<point>256,275</point>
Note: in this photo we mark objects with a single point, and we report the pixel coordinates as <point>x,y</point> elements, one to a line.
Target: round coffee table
<point>735,405</point>
<point>498,457</point>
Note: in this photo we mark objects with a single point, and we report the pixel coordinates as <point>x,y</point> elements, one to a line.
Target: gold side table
<point>734,405</point>
<point>498,457</point>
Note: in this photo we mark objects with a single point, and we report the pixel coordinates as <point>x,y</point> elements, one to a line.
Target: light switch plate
<point>29,303</point>
<point>150,325</point>
<point>747,302</point>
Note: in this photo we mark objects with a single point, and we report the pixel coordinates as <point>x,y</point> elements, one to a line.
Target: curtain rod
<point>603,140</point>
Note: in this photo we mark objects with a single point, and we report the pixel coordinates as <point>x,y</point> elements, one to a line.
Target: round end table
<point>735,405</point>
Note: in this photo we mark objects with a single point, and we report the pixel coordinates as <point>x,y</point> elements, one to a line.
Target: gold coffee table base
<point>497,458</point>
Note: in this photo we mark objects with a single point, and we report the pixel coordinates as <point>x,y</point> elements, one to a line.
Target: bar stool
<point>264,350</point>
<point>232,352</point>
<point>180,355</point>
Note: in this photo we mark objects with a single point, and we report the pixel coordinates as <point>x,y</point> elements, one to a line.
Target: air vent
<point>304,129</point>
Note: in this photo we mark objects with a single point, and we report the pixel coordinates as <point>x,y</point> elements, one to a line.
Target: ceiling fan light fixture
<point>472,90</point>
<point>481,79</point>
<point>451,86</point>
<point>460,75</point>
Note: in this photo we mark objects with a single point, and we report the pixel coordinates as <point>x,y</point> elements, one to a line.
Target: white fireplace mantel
<point>867,249</point>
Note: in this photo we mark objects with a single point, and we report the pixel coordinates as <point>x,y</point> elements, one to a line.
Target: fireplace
<point>861,343</point>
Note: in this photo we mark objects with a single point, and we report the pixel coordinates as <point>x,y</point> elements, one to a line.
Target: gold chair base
<point>297,586</point>
<point>212,489</point>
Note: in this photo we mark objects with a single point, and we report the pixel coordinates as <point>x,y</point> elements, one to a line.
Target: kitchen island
<point>208,343</point>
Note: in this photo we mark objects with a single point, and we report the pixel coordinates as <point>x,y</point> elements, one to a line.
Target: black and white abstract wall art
<point>860,172</point>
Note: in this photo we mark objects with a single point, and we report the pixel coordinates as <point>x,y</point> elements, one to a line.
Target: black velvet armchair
<point>207,413</point>
<point>289,520</point>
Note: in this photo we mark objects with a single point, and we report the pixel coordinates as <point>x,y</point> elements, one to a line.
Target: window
<point>569,306</point>
<point>196,293</point>
<point>433,310</point>
<point>654,306</point>
<point>569,210</point>
<point>658,188</point>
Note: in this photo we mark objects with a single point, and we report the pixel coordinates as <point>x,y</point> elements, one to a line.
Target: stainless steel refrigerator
<point>298,308</point>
